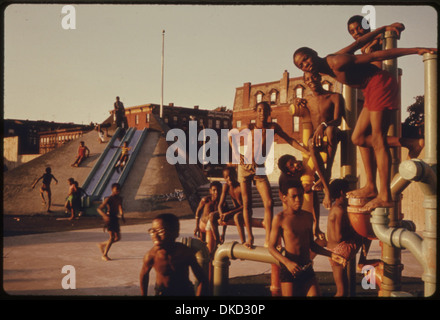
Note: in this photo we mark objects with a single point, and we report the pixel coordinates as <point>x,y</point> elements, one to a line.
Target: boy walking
<point>113,208</point>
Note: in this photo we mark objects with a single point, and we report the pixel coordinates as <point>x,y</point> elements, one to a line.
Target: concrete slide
<point>103,175</point>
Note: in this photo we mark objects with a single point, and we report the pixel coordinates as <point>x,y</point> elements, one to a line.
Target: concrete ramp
<point>154,186</point>
<point>150,185</point>
<point>18,196</point>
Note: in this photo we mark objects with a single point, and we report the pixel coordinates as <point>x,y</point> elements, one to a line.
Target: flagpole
<point>161,95</point>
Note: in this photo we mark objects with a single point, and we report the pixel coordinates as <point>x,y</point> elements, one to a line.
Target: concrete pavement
<point>33,264</point>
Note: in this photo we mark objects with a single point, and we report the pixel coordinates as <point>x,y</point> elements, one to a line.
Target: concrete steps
<point>257,202</point>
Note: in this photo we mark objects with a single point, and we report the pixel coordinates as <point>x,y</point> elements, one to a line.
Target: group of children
<point>290,234</point>
<point>294,227</point>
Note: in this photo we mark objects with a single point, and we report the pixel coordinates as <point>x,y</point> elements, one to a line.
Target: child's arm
<point>222,200</point>
<point>36,181</point>
<point>56,181</point>
<point>121,212</point>
<point>144,276</point>
<point>274,239</point>
<point>279,131</point>
<point>198,212</point>
<point>101,208</point>
<point>316,248</point>
<point>371,36</point>
<point>391,54</point>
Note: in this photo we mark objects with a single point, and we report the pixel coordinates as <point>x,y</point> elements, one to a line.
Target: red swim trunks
<point>381,92</point>
<point>347,249</point>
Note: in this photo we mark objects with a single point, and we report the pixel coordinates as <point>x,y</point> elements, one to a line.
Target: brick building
<point>280,94</point>
<point>178,117</point>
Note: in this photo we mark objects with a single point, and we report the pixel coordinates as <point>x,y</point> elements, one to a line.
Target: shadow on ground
<point>259,286</point>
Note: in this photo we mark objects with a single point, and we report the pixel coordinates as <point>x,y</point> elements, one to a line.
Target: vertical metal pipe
<point>349,162</point>
<point>430,63</point>
<point>162,74</point>
<point>392,256</point>
<point>348,150</point>
<point>430,202</point>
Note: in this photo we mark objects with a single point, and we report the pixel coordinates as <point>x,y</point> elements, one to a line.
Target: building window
<point>136,119</point>
<point>274,120</point>
<point>147,119</point>
<point>273,96</point>
<point>217,124</point>
<point>295,124</point>
<point>259,97</point>
<point>201,122</point>
<point>253,120</point>
<point>174,119</point>
<point>209,123</point>
<point>166,119</point>
<point>225,124</point>
<point>238,123</point>
<point>299,91</point>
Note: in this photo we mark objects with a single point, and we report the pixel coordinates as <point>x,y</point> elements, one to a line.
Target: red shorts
<point>381,92</point>
<point>346,249</point>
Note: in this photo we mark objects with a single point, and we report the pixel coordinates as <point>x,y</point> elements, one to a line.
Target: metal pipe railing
<point>233,250</point>
<point>424,173</point>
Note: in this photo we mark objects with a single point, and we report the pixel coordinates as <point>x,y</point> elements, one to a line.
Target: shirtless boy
<point>231,188</point>
<point>45,187</point>
<point>171,260</point>
<point>325,109</point>
<point>381,100</point>
<point>207,207</point>
<point>341,238</point>
<point>294,227</point>
<point>247,170</point>
<point>113,208</point>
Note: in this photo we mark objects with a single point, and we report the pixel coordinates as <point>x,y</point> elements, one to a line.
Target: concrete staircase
<point>257,202</point>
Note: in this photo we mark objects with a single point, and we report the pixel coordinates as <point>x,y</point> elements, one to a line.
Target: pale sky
<point>74,75</point>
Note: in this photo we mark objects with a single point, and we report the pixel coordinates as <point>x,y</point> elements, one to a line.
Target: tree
<point>413,126</point>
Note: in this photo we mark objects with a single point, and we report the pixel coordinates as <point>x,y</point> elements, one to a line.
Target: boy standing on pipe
<point>381,100</point>
<point>248,169</point>
<point>295,227</point>
<point>325,111</point>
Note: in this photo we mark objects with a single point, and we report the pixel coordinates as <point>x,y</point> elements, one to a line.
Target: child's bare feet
<point>377,203</point>
<point>365,192</point>
<point>249,243</point>
<point>106,258</point>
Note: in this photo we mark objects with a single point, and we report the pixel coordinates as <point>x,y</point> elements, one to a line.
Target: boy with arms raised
<point>380,91</point>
